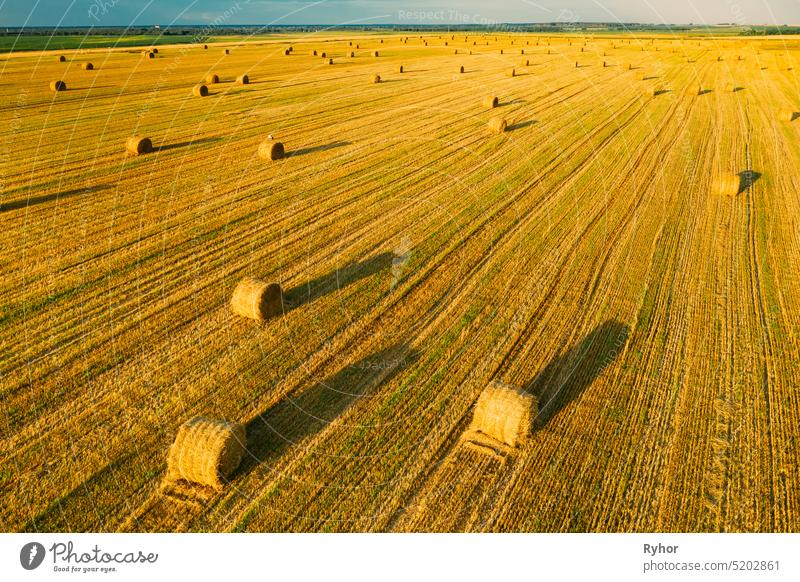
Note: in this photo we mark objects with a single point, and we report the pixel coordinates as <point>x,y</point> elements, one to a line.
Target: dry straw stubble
<point>206,452</point>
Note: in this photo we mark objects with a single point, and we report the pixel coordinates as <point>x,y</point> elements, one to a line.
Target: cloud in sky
<point>124,12</point>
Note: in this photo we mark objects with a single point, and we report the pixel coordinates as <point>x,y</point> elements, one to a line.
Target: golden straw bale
<point>727,185</point>
<point>314,53</point>
<point>226,52</point>
<point>271,150</point>
<point>256,299</point>
<point>58,86</point>
<point>352,54</point>
<point>512,73</point>
<point>155,50</point>
<point>212,79</point>
<point>138,145</point>
<point>461,69</point>
<point>375,54</point>
<point>787,115</point>
<point>324,55</point>
<point>87,66</point>
<point>400,69</point>
<point>490,101</point>
<point>243,80</point>
<point>205,46</point>
<point>62,59</point>
<point>200,91</point>
<point>498,125</point>
<point>504,413</point>
<point>206,452</point>
<point>376,79</point>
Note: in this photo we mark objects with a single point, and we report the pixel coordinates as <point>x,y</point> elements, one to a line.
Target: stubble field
<point>584,254</point>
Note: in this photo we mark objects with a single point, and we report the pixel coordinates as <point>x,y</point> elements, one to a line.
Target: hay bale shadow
<point>512,102</point>
<point>34,200</point>
<point>300,416</point>
<point>795,115</point>
<point>705,91</point>
<point>567,376</point>
<point>172,146</point>
<point>521,125</point>
<point>337,279</point>
<point>319,148</point>
<point>747,179</point>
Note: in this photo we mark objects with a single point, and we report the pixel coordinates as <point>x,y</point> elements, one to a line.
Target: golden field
<point>586,254</point>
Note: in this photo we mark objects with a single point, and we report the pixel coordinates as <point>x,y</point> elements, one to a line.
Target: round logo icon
<point>31,555</point>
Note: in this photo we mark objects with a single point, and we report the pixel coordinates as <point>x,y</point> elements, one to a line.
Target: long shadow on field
<point>34,200</point>
<point>335,280</point>
<point>298,416</point>
<point>747,179</point>
<point>566,377</point>
<point>521,125</point>
<point>319,148</point>
<point>172,146</point>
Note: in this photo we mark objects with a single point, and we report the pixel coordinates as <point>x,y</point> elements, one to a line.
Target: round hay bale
<point>400,69</point>
<point>58,86</point>
<point>138,145</point>
<point>461,69</point>
<point>455,52</point>
<point>498,125</point>
<point>314,53</point>
<point>87,66</point>
<point>290,49</point>
<point>62,59</point>
<point>376,79</point>
<point>206,452</point>
<point>641,76</point>
<point>330,61</point>
<point>505,414</point>
<point>501,51</point>
<point>727,185</point>
<point>212,79</point>
<point>730,88</point>
<point>205,47</point>
<point>375,53</point>
<point>200,91</point>
<point>700,90</point>
<point>256,299</point>
<point>352,54</point>
<point>271,150</point>
<point>522,51</point>
<point>243,80</point>
<point>155,50</point>
<point>526,63</point>
<point>512,73</point>
<point>148,55</point>
<point>358,46</point>
<point>226,52</point>
<point>490,102</point>
<point>787,115</point>
<point>324,55</point>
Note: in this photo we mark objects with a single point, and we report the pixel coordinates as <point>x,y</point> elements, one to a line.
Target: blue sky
<point>124,12</point>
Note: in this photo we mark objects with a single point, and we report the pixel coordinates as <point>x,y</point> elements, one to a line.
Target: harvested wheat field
<point>623,254</point>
